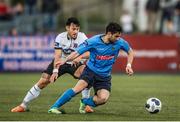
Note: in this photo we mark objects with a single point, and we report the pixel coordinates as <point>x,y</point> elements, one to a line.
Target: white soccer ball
<point>153,105</point>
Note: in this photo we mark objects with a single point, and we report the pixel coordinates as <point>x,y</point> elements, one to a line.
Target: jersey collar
<point>102,39</point>
<point>69,38</point>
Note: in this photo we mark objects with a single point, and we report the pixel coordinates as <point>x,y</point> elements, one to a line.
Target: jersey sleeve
<point>125,46</point>
<point>87,45</point>
<point>83,38</point>
<point>57,42</point>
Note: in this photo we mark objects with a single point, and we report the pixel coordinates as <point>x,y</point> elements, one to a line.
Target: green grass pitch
<point>126,102</point>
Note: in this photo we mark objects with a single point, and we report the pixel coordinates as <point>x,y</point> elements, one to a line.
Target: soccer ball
<point>153,105</point>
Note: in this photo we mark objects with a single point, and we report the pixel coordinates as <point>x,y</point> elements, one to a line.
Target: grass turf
<point>126,102</point>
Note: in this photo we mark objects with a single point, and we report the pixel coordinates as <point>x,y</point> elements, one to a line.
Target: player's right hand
<point>129,70</point>
<point>53,77</point>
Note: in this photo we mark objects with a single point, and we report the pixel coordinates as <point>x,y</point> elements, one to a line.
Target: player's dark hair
<point>72,20</point>
<point>113,28</point>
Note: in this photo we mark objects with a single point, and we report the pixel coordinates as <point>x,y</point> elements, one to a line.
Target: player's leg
<point>102,87</point>
<point>35,90</point>
<point>77,74</point>
<point>33,93</point>
<point>67,96</point>
<point>86,92</point>
<point>101,97</point>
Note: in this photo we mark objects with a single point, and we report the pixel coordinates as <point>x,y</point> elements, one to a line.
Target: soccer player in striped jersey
<point>104,50</point>
<point>65,43</point>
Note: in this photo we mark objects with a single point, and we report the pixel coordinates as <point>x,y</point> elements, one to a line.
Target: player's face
<point>114,37</point>
<point>73,30</point>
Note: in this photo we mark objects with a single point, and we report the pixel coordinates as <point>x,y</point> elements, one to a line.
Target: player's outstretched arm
<point>130,58</point>
<point>84,56</point>
<point>71,57</point>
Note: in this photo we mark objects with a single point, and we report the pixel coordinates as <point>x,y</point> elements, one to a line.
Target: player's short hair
<point>72,20</point>
<point>113,28</point>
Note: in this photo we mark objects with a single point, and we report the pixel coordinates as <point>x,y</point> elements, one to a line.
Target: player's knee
<point>45,77</point>
<point>102,96</point>
<point>103,99</point>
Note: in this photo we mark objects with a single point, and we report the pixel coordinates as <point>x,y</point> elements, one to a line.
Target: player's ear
<point>109,34</point>
<point>67,28</point>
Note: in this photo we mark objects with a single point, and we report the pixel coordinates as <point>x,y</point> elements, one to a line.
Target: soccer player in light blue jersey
<point>104,50</point>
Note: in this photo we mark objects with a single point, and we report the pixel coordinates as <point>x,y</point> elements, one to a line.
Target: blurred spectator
<point>136,7</point>
<point>50,8</point>
<point>126,22</point>
<point>30,6</point>
<point>13,32</point>
<point>5,11</point>
<point>18,9</point>
<point>166,24</point>
<point>177,18</point>
<point>152,10</point>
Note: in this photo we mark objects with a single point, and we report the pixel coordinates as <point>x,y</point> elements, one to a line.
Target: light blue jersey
<point>102,55</point>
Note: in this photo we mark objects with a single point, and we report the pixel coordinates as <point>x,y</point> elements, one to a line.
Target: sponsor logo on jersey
<point>75,45</point>
<point>68,51</point>
<point>104,57</point>
<point>113,48</point>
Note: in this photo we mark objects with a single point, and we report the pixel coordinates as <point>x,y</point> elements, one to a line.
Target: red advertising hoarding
<point>153,53</point>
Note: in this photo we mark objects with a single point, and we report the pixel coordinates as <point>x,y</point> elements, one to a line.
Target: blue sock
<point>89,101</point>
<point>65,97</point>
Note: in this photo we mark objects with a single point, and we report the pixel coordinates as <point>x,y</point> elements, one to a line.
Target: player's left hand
<point>53,77</point>
<point>129,70</point>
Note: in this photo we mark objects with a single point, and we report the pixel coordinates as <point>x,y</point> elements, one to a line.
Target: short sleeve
<point>84,36</point>
<point>125,46</point>
<point>57,42</point>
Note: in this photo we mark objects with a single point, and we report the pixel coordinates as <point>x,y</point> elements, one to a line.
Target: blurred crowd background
<point>39,17</point>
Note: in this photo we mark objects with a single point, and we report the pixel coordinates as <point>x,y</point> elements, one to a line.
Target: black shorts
<point>96,81</point>
<point>66,68</point>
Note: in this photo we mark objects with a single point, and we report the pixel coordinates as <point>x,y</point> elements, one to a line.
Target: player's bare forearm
<point>130,57</point>
<point>129,69</point>
<point>85,55</point>
<point>57,55</point>
<point>72,56</point>
<point>80,58</point>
